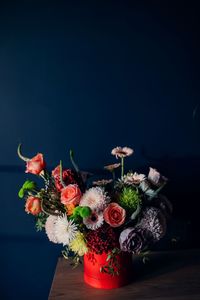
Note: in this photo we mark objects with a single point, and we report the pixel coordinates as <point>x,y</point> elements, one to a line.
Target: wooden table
<point>166,276</point>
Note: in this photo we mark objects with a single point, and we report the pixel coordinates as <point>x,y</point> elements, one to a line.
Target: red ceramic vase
<point>95,278</point>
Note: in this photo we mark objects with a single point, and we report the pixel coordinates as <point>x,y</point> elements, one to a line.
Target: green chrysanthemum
<point>78,244</point>
<point>130,199</point>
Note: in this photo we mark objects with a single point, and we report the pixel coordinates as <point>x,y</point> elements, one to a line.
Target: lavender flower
<point>150,229</point>
<point>156,178</point>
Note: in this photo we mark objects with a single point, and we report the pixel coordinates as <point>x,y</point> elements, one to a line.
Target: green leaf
<point>108,257</point>
<point>29,185</point>
<point>145,259</point>
<point>21,193</point>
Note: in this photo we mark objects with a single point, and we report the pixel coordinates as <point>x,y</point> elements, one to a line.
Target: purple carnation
<point>150,229</point>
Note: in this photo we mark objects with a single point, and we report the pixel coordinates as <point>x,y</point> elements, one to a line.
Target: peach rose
<point>71,194</point>
<point>35,165</point>
<point>33,205</point>
<point>114,215</point>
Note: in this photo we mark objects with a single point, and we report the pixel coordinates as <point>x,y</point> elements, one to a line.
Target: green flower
<point>130,199</point>
<point>27,186</point>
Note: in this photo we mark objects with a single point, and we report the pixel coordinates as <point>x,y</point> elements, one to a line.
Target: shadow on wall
<point>183,191</point>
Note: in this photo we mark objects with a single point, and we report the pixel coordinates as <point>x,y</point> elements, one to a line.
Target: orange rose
<point>33,205</point>
<point>71,194</point>
<point>114,215</point>
<point>36,164</point>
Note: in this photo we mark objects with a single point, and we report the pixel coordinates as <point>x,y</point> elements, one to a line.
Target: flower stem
<point>71,153</point>
<point>61,175</point>
<point>113,174</point>
<point>122,167</point>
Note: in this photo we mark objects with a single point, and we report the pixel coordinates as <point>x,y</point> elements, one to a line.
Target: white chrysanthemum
<point>94,221</point>
<point>50,228</point>
<point>65,230</point>
<point>95,198</point>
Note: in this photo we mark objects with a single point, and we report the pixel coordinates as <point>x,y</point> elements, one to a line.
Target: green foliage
<point>130,199</point>
<point>145,256</point>
<point>40,221</point>
<point>21,193</point>
<point>112,266</point>
<point>68,254</point>
<point>27,186</point>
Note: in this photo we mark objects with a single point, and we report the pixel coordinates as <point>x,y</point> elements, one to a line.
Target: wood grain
<point>167,275</point>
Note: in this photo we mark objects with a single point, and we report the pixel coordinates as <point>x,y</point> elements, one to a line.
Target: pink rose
<point>71,194</point>
<point>35,165</point>
<point>114,215</point>
<point>33,205</point>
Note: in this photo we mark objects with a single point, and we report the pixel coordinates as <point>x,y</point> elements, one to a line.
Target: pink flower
<point>94,221</point>
<point>112,167</point>
<point>71,194</point>
<point>122,152</point>
<point>133,178</point>
<point>33,205</point>
<point>35,165</point>
<point>114,215</point>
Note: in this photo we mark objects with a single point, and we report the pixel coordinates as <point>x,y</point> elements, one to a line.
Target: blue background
<point>91,76</point>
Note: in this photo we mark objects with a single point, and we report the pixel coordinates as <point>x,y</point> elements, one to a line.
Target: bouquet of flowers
<point>111,215</point>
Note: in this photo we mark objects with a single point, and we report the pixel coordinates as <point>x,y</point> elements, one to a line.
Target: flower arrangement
<point>114,215</point>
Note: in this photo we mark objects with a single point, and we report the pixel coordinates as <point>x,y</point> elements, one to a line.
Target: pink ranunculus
<point>35,165</point>
<point>33,205</point>
<point>114,215</point>
<point>71,194</point>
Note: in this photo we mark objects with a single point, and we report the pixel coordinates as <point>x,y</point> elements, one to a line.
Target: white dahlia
<point>95,198</point>
<point>65,230</point>
<point>50,228</point>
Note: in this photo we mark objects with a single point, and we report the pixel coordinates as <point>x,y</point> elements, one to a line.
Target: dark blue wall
<point>91,76</point>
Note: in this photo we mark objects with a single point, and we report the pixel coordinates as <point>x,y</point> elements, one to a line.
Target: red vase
<point>95,278</point>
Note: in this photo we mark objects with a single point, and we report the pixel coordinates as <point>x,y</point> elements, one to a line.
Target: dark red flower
<point>103,239</point>
<point>68,177</point>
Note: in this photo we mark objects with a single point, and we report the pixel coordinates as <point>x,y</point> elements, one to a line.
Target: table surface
<point>167,275</point>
